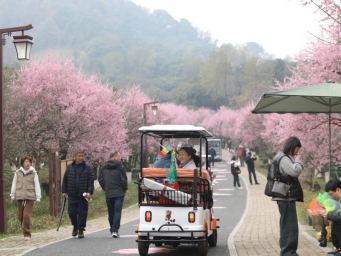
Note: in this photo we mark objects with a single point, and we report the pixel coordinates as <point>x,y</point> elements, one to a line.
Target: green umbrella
<point>312,99</point>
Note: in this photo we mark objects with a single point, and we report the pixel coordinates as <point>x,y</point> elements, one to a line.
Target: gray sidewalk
<point>258,231</point>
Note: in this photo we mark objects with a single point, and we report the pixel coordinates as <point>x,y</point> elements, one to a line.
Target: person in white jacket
<point>234,164</point>
<point>26,190</point>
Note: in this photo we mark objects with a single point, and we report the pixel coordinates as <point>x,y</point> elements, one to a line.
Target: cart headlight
<point>191,217</point>
<point>148,216</point>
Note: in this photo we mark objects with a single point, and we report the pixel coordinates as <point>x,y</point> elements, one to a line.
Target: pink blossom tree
<point>54,104</point>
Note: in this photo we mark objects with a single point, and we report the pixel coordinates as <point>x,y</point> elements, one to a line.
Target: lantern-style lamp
<point>23,45</point>
<point>154,110</point>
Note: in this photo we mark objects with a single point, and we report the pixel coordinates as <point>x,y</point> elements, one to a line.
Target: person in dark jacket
<point>212,153</point>
<point>78,179</point>
<point>251,167</point>
<point>161,162</point>
<point>333,188</point>
<point>113,180</point>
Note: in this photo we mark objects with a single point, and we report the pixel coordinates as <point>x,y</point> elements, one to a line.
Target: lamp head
<point>23,45</point>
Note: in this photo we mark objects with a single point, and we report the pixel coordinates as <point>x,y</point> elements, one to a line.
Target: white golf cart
<point>174,216</point>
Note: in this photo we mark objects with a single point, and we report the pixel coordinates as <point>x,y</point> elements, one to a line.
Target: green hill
<point>124,44</point>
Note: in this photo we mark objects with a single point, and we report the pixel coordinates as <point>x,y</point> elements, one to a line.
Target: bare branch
<point>323,39</point>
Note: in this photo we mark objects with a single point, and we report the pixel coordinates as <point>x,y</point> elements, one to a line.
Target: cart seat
<point>161,172</point>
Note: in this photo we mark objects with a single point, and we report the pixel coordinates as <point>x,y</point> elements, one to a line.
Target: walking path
<point>257,233</point>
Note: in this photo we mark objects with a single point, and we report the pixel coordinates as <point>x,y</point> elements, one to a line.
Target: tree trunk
<point>306,179</point>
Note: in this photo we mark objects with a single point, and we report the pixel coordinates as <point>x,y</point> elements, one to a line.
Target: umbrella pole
<point>329,146</point>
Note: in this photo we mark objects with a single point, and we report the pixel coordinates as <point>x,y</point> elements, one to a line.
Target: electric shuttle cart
<point>172,216</point>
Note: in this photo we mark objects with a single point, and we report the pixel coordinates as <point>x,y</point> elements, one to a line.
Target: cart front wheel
<point>143,247</point>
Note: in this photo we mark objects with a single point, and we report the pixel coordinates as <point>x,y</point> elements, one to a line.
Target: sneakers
<point>240,188</point>
<point>80,234</point>
<point>215,182</point>
<point>257,183</point>
<point>337,251</point>
<point>27,238</point>
<point>74,231</point>
<point>115,235</point>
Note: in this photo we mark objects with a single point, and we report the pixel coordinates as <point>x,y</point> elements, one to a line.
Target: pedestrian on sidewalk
<point>26,190</point>
<point>235,153</point>
<point>250,162</point>
<point>212,153</point>
<point>241,155</point>
<point>113,180</point>
<point>288,164</point>
<point>333,188</point>
<point>78,179</point>
<point>234,166</point>
<point>229,145</point>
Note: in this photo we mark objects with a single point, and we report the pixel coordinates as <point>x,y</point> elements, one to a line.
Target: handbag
<point>238,171</point>
<point>280,189</point>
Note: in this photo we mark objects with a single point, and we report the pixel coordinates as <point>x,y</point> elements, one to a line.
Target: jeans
<point>288,226</point>
<point>115,205</point>
<point>78,212</point>
<point>252,171</point>
<point>236,180</point>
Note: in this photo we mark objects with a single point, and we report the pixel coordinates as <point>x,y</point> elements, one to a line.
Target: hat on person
<point>166,150</point>
<point>249,153</point>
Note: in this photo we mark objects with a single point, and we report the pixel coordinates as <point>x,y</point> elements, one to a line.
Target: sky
<point>282,27</point>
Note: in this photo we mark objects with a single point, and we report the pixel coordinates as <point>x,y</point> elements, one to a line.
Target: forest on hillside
<point>125,45</point>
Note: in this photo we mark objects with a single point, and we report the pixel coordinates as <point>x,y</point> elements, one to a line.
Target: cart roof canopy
<point>175,131</point>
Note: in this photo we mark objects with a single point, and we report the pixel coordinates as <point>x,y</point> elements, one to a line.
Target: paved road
<point>229,206</point>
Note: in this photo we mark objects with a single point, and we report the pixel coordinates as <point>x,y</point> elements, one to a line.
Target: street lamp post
<point>154,110</point>
<point>23,46</point>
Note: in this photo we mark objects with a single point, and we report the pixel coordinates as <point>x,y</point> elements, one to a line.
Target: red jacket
<point>240,152</point>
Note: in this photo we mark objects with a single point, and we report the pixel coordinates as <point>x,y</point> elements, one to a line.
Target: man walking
<point>250,162</point>
<point>78,179</point>
<point>113,180</point>
<point>213,153</point>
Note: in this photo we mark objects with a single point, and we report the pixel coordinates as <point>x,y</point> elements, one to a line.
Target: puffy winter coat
<point>86,180</point>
